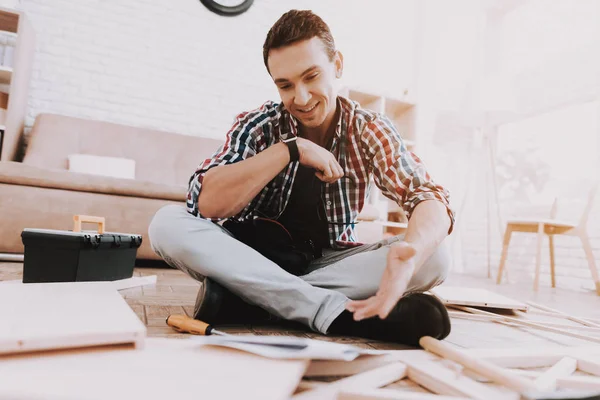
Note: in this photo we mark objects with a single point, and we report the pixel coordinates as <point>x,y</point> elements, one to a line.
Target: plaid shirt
<point>366,145</point>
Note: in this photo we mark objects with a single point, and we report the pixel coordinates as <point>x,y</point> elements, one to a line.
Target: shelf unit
<point>399,111</point>
<point>5,75</point>
<point>402,114</point>
<point>13,101</point>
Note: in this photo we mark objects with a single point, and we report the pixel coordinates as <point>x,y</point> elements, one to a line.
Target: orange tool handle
<point>182,323</point>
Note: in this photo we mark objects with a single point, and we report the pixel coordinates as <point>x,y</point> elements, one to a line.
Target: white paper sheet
<point>288,347</point>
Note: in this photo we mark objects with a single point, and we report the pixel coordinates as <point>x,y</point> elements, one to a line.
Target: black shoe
<point>413,317</point>
<point>217,305</point>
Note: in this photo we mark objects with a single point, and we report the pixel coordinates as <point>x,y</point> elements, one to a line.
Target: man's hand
<point>314,156</point>
<point>399,269</point>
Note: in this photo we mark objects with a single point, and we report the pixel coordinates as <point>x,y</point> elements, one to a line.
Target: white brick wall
<point>175,66</point>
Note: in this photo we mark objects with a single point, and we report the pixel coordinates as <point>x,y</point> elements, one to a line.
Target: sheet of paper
<point>288,347</point>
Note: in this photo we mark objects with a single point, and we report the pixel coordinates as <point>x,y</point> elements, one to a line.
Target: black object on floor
<point>66,256</point>
<point>217,305</point>
<point>414,316</point>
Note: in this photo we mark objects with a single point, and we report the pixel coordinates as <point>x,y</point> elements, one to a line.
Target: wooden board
<point>534,357</point>
<point>345,368</point>
<point>390,394</point>
<point>427,370</point>
<point>164,369</point>
<point>120,284</point>
<point>43,316</point>
<point>374,378</point>
<point>476,297</point>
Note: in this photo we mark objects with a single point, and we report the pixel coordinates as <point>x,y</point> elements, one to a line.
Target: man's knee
<point>160,230</point>
<point>439,262</point>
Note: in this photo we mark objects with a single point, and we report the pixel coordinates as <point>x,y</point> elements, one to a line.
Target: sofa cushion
<point>22,174</point>
<point>160,157</point>
<point>116,167</point>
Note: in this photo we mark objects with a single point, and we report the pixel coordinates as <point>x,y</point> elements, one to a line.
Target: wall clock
<point>227,8</point>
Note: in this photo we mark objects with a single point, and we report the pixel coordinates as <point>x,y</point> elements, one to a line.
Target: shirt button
<point>328,204</point>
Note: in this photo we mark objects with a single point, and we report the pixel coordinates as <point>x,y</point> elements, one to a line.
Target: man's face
<point>305,78</point>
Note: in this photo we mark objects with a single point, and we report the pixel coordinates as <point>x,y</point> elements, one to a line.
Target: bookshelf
<point>5,75</point>
<point>401,112</point>
<point>14,81</point>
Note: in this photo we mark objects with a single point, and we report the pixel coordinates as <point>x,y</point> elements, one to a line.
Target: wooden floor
<point>175,293</point>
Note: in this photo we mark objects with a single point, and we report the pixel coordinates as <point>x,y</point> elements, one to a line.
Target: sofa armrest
<point>26,175</point>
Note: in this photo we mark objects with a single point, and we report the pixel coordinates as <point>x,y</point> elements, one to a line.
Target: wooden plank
<point>371,379</point>
<point>444,381</point>
<point>589,364</point>
<point>521,322</point>
<point>476,297</point>
<point>345,368</point>
<point>561,314</point>
<point>46,316</point>
<point>566,382</point>
<point>388,394</point>
<point>548,381</point>
<point>532,357</point>
<point>483,368</point>
<point>163,368</point>
<point>490,318</point>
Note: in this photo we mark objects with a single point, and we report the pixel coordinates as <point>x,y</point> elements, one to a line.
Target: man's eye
<point>311,77</point>
<point>284,87</point>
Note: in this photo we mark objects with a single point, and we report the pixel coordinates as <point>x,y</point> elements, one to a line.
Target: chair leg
<point>552,269</point>
<point>538,257</point>
<point>505,243</point>
<point>587,248</point>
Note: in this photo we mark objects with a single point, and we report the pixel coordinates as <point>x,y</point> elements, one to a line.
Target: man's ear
<point>338,61</point>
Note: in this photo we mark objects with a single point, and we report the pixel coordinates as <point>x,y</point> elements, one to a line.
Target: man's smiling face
<point>305,78</point>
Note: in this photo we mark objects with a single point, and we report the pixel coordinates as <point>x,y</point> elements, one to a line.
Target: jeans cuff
<point>331,317</point>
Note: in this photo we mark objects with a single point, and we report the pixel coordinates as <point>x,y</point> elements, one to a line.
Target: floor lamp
<point>490,104</point>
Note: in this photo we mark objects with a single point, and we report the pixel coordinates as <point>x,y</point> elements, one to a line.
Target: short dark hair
<point>295,26</point>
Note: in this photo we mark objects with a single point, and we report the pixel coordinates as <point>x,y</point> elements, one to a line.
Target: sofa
<point>41,191</point>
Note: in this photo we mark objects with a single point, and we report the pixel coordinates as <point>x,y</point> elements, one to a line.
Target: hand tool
<point>183,323</point>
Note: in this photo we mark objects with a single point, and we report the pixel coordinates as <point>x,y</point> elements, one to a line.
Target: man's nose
<point>302,96</point>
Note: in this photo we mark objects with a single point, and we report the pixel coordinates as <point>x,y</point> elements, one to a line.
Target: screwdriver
<point>183,323</point>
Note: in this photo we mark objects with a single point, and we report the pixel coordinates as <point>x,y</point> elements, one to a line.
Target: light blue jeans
<point>202,248</point>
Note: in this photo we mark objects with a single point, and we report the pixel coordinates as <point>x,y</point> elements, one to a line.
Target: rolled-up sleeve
<point>239,145</point>
<point>399,173</point>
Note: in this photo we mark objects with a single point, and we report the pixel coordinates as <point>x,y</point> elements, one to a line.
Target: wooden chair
<point>553,227</point>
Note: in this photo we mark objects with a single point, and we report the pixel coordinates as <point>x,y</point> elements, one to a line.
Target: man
<point>307,162</point>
